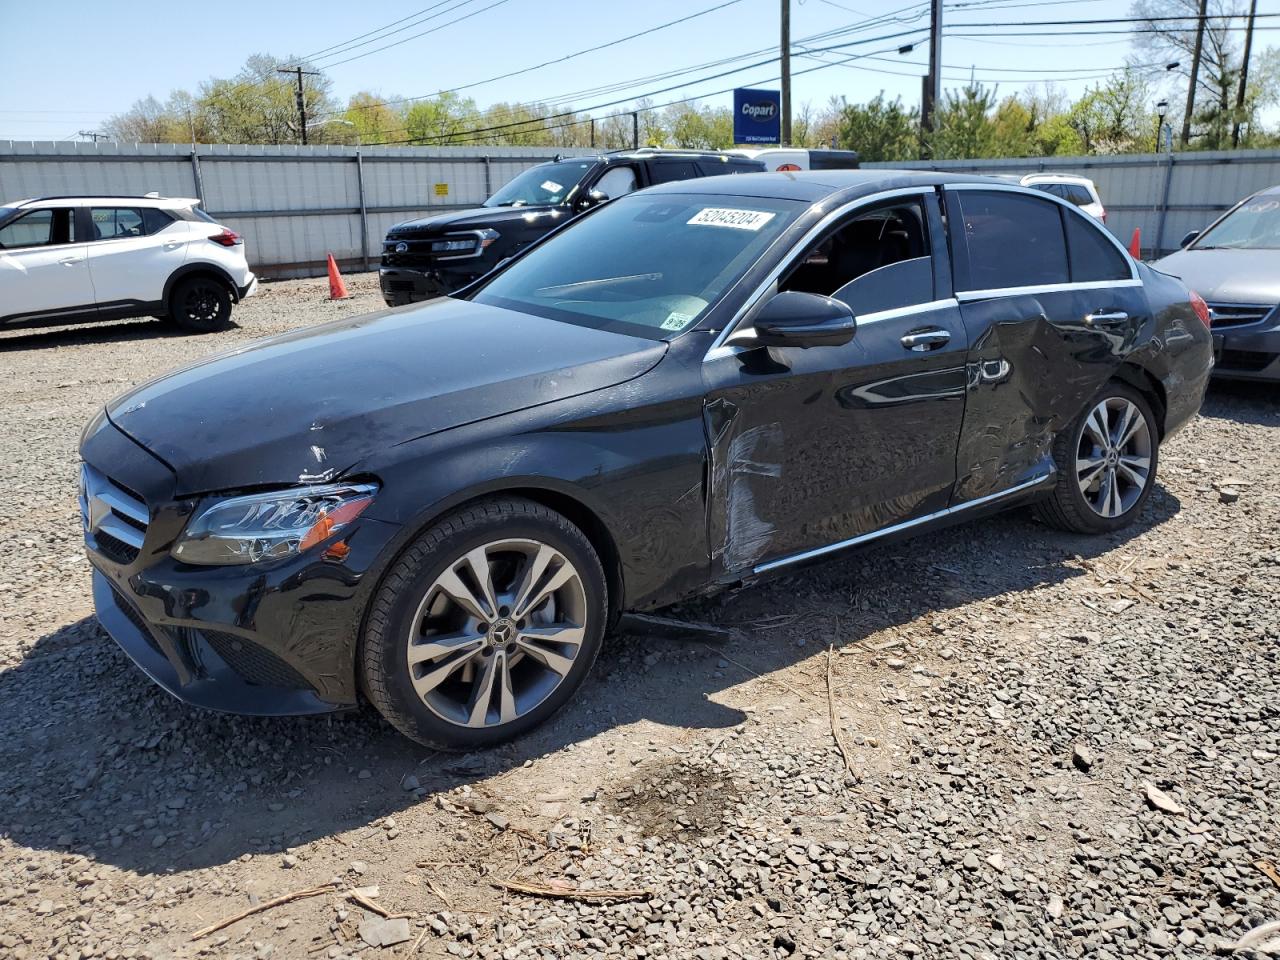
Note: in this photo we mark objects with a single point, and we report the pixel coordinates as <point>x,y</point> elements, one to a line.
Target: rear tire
<point>201,304</point>
<point>1107,461</point>
<point>485,626</point>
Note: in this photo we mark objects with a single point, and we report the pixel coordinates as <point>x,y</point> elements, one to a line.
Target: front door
<point>813,447</point>
<point>43,270</point>
<point>1052,305</point>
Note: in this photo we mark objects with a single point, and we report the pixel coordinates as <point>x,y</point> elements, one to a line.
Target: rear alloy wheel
<point>1106,464</point>
<point>200,304</point>
<point>486,626</point>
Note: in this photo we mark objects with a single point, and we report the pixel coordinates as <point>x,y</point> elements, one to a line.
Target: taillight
<point>227,238</point>
<point>1104,216</point>
<point>1201,308</point>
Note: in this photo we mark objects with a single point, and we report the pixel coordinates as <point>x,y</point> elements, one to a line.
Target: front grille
<point>113,516</point>
<point>401,286</point>
<point>253,663</point>
<point>1247,361</point>
<point>414,261</point>
<point>1238,314</point>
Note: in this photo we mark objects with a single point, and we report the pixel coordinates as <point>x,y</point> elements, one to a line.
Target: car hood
<point>311,405</point>
<point>1227,276</point>
<point>473,219</point>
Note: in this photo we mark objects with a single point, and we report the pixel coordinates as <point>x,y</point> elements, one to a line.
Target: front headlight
<point>471,242</point>
<point>269,526</point>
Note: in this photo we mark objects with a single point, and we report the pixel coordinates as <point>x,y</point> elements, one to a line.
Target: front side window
<point>648,266</point>
<point>39,228</point>
<point>878,260</point>
<point>1254,225</point>
<point>114,223</point>
<point>1012,240</point>
<point>1093,256</point>
<point>547,184</point>
<point>617,182</point>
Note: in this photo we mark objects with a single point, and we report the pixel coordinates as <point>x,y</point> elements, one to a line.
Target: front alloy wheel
<point>485,626</point>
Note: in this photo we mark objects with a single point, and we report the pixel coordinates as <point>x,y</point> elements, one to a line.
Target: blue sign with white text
<point>757,116</point>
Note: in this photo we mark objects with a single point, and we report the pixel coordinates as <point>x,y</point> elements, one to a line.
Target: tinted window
<point>1093,256</point>
<point>649,266</point>
<point>1013,240</point>
<point>155,220</point>
<point>1077,194</point>
<point>114,223</point>
<point>39,228</point>
<point>664,171</point>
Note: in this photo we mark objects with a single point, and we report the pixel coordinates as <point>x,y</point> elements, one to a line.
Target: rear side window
<point>116,223</point>
<point>1093,256</point>
<point>664,171</point>
<point>1012,240</point>
<point>1077,194</point>
<point>155,220</point>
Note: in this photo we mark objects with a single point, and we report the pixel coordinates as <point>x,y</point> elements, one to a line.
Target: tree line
<point>1117,115</point>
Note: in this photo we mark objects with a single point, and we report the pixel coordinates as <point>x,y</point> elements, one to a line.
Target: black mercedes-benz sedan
<point>444,507</point>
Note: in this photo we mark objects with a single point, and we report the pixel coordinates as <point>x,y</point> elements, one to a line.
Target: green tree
<point>1115,116</point>
<point>696,127</point>
<point>373,119</point>
<point>879,130</point>
<point>448,116</point>
<point>963,127</point>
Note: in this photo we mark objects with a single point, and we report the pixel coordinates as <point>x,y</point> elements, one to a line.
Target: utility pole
<point>301,95</point>
<point>93,135</point>
<point>785,49</point>
<point>1244,75</point>
<point>932,90</point>
<point>1195,74</point>
<point>635,130</point>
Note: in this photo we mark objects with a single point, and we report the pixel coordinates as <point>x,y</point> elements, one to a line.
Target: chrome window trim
<point>896,313</point>
<point>904,525</point>
<point>965,296</point>
<point>714,352</point>
<point>1040,194</point>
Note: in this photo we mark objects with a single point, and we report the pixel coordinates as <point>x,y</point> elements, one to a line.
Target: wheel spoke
<point>440,646</point>
<point>569,633</point>
<point>1088,468</point>
<point>533,573</point>
<point>506,698</point>
<point>482,692</point>
<point>432,679</point>
<point>463,595</point>
<point>1137,423</point>
<point>482,573</point>
<point>555,661</point>
<point>1096,426</point>
<point>565,574</point>
<point>1123,426</point>
<point>1136,469</point>
<point>1104,493</point>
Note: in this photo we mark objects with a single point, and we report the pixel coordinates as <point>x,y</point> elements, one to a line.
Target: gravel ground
<point>1057,746</point>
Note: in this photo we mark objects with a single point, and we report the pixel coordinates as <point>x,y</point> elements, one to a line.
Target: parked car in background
<point>794,158</point>
<point>1235,263</point>
<point>1080,191</point>
<point>444,509</point>
<point>436,255</point>
<point>68,259</point>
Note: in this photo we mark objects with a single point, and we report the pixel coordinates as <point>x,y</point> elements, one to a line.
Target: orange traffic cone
<point>337,289</point>
<point>1135,244</point>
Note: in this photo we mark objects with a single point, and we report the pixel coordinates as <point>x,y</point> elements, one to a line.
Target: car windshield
<point>545,184</point>
<point>6,213</point>
<point>1254,225</point>
<point>645,265</point>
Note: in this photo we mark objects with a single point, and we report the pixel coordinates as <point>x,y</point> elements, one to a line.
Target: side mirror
<point>794,319</point>
<point>593,199</point>
<point>1189,239</point>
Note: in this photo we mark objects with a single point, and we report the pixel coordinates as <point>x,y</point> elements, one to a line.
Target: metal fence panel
<point>294,205</point>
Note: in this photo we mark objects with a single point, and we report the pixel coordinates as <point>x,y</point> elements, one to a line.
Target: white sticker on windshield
<point>751,220</point>
<point>551,186</point>
<point>676,321</point>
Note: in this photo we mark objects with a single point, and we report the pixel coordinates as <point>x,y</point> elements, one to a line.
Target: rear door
<point>132,252</point>
<point>1052,305</point>
<point>43,267</point>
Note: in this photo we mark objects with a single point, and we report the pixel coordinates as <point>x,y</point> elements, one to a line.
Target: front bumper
<point>401,285</point>
<point>1250,352</point>
<point>274,640</point>
<point>249,288</point>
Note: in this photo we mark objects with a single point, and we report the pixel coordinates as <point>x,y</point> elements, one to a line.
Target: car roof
<point>813,185</point>
<point>1056,178</point>
<point>1268,191</point>
<point>163,203</point>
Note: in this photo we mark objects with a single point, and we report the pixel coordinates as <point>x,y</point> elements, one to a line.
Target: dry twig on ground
<point>265,905</point>
<point>537,890</point>
<point>831,715</point>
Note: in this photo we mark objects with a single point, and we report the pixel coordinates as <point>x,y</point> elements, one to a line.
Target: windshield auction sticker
<point>751,220</point>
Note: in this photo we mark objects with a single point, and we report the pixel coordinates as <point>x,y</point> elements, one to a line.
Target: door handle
<point>69,261</point>
<point>929,339</point>
<point>1105,318</point>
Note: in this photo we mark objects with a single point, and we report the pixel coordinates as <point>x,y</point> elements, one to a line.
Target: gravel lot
<point>1057,746</point>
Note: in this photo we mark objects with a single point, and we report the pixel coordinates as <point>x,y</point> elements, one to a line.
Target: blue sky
<point>66,66</point>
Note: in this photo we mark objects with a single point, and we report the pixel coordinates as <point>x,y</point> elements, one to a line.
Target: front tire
<point>200,304</point>
<point>1106,462</point>
<point>486,625</point>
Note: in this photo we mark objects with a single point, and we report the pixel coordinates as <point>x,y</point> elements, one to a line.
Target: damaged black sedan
<point>443,508</point>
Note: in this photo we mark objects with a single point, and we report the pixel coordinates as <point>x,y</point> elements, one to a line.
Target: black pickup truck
<point>436,255</point>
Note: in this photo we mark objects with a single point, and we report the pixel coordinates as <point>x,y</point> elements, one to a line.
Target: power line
<point>436,29</point>
<point>333,47</point>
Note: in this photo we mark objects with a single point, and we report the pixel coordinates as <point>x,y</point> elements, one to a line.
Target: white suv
<point>104,258</point>
<point>1078,190</point>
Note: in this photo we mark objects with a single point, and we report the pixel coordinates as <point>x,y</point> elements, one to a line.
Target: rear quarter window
<point>1092,255</point>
